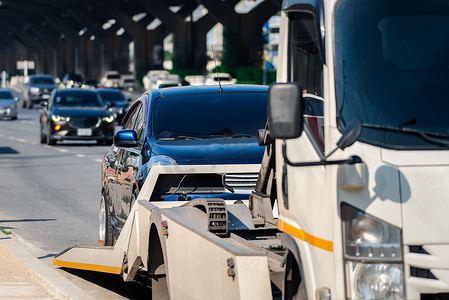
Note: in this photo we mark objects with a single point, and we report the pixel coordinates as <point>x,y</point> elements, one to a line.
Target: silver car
<point>8,104</point>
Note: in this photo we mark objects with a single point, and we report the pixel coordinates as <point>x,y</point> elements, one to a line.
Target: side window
<point>314,120</point>
<point>129,123</point>
<point>138,123</point>
<point>306,68</point>
<point>306,65</point>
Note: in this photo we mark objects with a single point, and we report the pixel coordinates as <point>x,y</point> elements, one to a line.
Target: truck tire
<point>105,229</point>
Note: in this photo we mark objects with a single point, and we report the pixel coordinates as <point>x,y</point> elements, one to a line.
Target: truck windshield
<point>210,115</point>
<point>392,70</point>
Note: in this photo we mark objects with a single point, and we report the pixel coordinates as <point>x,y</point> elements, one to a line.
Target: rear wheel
<point>105,229</point>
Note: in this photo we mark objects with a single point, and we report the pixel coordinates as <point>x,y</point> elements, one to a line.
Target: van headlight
<point>373,257</point>
<point>160,160</point>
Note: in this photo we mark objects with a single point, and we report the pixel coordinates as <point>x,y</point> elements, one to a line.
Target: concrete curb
<point>44,275</point>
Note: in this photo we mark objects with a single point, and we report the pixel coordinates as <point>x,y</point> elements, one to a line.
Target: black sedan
<point>118,102</point>
<point>76,114</point>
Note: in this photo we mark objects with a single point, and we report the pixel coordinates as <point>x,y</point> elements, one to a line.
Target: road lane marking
<point>80,155</point>
<point>62,150</point>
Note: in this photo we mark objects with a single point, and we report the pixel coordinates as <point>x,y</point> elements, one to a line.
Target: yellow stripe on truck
<point>304,236</point>
<point>88,267</point>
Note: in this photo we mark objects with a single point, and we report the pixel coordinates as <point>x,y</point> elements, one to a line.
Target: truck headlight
<point>373,256</point>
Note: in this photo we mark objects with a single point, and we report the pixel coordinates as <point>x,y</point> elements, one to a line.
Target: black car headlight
<point>108,119</point>
<point>57,118</point>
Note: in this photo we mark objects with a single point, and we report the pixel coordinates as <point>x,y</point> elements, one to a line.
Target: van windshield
<point>211,115</point>
<point>392,69</point>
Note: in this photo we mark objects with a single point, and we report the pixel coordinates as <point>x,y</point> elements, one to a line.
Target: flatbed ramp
<point>93,258</point>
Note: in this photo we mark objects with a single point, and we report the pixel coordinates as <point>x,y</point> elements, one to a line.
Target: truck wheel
<point>105,229</point>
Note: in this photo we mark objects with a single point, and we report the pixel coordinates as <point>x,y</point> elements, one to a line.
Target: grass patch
<point>5,231</point>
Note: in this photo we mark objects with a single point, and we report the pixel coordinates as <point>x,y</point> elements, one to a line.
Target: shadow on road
<point>138,289</point>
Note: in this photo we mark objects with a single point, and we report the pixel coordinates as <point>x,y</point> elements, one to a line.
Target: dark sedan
<point>76,114</point>
<point>37,88</point>
<point>118,102</point>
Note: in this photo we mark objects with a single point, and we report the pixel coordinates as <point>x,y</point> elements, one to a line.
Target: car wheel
<point>14,118</point>
<point>42,135</point>
<point>50,140</point>
<point>105,229</point>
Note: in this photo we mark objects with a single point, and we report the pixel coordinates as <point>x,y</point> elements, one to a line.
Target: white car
<point>112,79</point>
<point>152,76</point>
<point>129,82</point>
<point>224,78</point>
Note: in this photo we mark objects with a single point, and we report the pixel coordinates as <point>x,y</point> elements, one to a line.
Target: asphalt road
<point>50,198</point>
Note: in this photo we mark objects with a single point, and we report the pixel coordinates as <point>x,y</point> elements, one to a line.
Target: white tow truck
<point>366,219</point>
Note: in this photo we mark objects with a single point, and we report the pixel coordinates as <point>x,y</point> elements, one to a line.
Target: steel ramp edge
<point>91,258</point>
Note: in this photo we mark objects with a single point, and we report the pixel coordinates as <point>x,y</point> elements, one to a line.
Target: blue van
<point>190,125</point>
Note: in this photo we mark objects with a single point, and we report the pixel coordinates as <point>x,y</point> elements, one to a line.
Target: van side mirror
<point>126,138</point>
<point>285,110</point>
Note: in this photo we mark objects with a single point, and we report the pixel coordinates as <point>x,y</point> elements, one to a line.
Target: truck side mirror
<point>350,134</point>
<point>285,110</point>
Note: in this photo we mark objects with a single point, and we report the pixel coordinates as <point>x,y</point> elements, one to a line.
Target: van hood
<point>211,151</point>
<point>425,204</point>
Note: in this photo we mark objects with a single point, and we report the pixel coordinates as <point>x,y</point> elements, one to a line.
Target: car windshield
<point>78,98</point>
<point>392,69</point>
<point>42,80</point>
<point>210,115</point>
<point>5,95</point>
<point>112,96</point>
